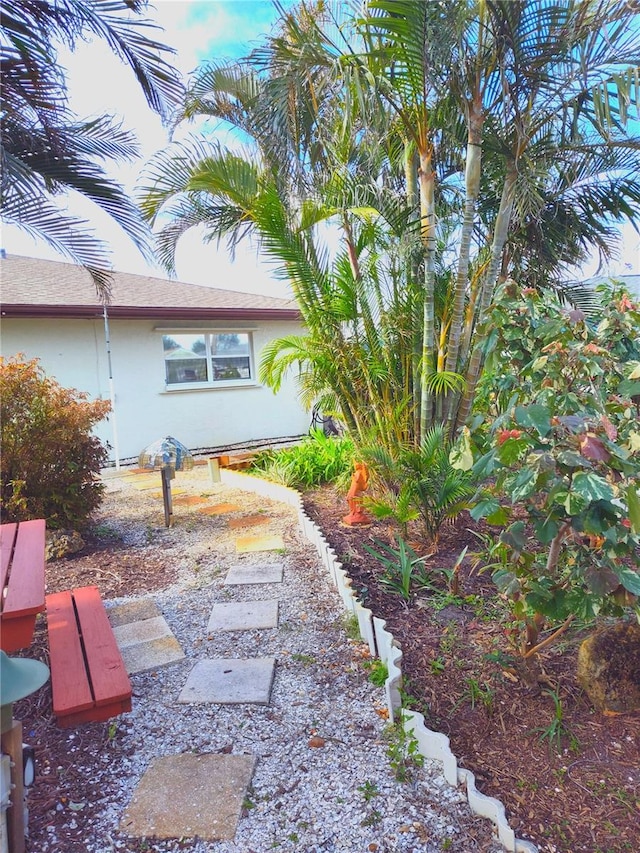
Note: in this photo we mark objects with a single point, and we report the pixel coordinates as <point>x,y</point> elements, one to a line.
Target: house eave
<point>127,312</point>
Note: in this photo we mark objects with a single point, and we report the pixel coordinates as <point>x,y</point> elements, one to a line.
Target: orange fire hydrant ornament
<point>359,483</point>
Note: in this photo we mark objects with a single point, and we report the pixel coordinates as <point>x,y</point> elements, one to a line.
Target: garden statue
<point>359,483</point>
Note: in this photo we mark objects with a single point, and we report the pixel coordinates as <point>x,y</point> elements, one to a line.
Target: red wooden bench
<point>88,676</point>
<point>21,581</point>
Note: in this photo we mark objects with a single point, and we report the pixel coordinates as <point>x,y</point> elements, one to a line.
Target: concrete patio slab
<point>220,509</point>
<point>251,544</point>
<point>243,616</point>
<point>152,654</point>
<point>133,611</point>
<point>248,521</point>
<point>241,575</point>
<point>230,681</point>
<point>184,796</point>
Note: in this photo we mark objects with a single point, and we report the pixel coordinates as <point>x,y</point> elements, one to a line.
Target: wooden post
<point>166,496</point>
<point>12,746</point>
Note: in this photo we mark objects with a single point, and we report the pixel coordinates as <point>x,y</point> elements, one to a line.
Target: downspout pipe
<point>112,392</point>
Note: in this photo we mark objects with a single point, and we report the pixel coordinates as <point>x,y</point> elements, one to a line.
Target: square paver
<point>189,500</point>
<point>251,544</point>
<point>241,575</point>
<point>133,611</point>
<point>184,796</point>
<point>243,616</point>
<point>230,681</point>
<point>152,654</point>
<point>141,631</point>
<point>219,509</point>
<point>248,521</point>
<point>174,492</point>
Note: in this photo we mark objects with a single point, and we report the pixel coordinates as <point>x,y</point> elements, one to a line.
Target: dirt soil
<point>571,785</point>
<point>577,792</point>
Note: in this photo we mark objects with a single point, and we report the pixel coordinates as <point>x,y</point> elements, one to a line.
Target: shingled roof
<point>32,287</point>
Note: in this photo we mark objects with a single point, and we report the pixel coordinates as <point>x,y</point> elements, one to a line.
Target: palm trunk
<point>411,179</point>
<point>428,228</point>
<point>472,183</point>
<point>499,239</point>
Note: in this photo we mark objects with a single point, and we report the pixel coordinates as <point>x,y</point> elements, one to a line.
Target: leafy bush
<point>50,461</point>
<point>566,454</point>
<point>316,460</point>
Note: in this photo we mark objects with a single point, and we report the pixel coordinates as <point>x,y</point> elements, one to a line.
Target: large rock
<point>609,668</point>
<point>61,543</point>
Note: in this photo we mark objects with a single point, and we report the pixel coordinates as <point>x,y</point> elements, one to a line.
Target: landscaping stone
<point>220,509</point>
<point>141,631</point>
<point>248,521</point>
<point>188,796</point>
<point>152,654</point>
<point>243,616</point>
<point>251,544</point>
<point>230,681</point>
<point>132,611</point>
<point>241,575</point>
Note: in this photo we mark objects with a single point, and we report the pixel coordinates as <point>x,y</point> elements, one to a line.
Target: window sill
<point>219,386</point>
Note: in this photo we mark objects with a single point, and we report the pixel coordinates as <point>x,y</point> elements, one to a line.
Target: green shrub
<point>418,484</point>
<point>316,460</point>
<point>50,461</point>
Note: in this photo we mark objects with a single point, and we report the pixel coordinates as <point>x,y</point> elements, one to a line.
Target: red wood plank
<point>26,579</point>
<point>69,683</point>
<point>7,538</point>
<point>95,714</point>
<point>107,672</point>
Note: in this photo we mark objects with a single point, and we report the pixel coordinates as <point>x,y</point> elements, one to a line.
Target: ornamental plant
<point>50,462</point>
<point>565,454</point>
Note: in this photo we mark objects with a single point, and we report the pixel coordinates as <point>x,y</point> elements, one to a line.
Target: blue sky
<point>199,30</point>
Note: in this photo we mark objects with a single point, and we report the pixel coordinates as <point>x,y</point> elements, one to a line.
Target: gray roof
<point>32,287</point>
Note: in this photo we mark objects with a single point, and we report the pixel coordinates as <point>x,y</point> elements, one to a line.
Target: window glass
<point>207,358</point>
<point>185,358</point>
<point>230,357</point>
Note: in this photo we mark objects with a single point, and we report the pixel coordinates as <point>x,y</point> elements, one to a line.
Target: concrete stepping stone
<point>188,500</point>
<point>220,509</point>
<point>184,796</point>
<point>251,544</point>
<point>174,492</point>
<point>143,636</point>
<point>248,521</point>
<point>243,616</point>
<point>230,681</point>
<point>242,575</point>
<point>132,611</point>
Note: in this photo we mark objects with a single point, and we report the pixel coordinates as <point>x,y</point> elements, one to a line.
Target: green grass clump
<point>318,459</point>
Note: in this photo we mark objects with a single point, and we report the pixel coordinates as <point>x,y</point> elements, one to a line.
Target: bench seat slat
<point>109,678</point>
<point>69,683</point>
<point>7,538</point>
<point>26,581</point>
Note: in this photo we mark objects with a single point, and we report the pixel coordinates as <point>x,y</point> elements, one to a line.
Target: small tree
<point>50,461</point>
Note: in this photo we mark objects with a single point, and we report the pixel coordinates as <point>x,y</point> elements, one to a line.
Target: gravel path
<point>342,796</point>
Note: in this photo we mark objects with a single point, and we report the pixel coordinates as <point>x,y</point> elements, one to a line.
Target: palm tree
<point>46,150</point>
<point>377,132</point>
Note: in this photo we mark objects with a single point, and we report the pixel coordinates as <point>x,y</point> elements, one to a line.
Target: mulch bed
<point>577,792</point>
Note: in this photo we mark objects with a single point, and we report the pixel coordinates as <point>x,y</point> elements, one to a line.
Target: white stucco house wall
<point>181,360</point>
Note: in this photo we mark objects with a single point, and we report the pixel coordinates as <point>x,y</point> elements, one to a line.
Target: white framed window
<point>208,359</point>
